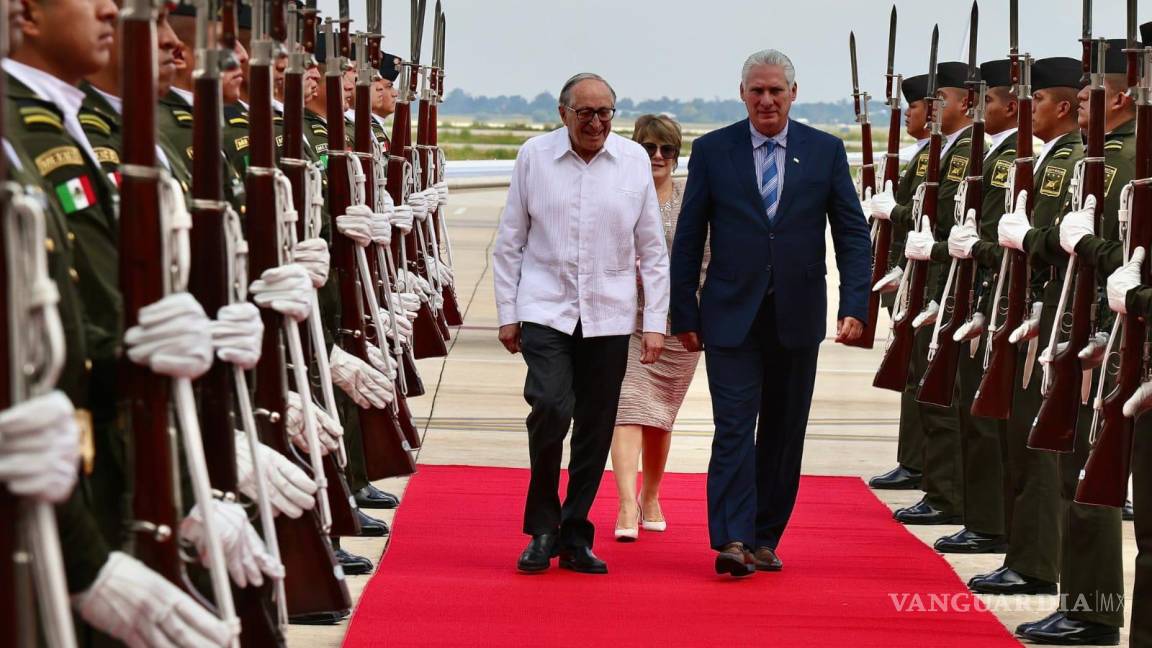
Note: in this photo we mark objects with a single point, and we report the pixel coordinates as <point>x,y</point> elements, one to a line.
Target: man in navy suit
<point>765,188</point>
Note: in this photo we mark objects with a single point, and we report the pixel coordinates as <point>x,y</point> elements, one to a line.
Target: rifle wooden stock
<point>1104,481</point>
<point>938,384</point>
<point>313,581</point>
<point>452,312</point>
<point>426,137</point>
<point>411,374</point>
<point>1055,426</point>
<point>11,626</point>
<point>896,365</point>
<point>882,244</point>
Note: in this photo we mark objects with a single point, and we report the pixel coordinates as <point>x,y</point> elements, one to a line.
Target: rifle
<point>32,350</point>
<point>377,426</point>
<point>993,397</point>
<point>1104,480</point>
<point>427,334</point>
<point>1055,426</point>
<point>211,286</point>
<point>314,582</point>
<point>938,384</point>
<point>895,366</point>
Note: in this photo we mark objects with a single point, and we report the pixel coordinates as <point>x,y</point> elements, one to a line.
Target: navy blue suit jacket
<point>749,254</point>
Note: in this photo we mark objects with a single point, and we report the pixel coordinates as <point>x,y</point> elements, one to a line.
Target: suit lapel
<point>745,166</point>
<point>795,153</point>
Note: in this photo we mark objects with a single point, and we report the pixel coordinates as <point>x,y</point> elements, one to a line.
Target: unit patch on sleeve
<point>922,166</point>
<point>76,194</point>
<point>1000,174</point>
<point>1053,181</point>
<point>957,168</point>
<point>105,155</point>
<point>1109,176</point>
<point>57,157</point>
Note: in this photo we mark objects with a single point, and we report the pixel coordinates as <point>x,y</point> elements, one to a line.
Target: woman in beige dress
<point>651,394</point>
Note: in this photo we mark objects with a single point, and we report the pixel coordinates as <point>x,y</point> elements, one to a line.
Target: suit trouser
<point>1141,636</point>
<point>943,481</point>
<point>761,396</point>
<point>981,443</point>
<point>1031,488</point>
<point>572,381</point>
<point>1091,556</point>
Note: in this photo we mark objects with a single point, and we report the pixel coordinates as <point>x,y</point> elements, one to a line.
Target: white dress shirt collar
<point>186,95</point>
<point>64,96</point>
<point>379,119</point>
<point>952,140</point>
<point>563,146</point>
<point>278,106</point>
<point>759,138</point>
<point>1047,148</point>
<point>117,104</point>
<point>997,140</point>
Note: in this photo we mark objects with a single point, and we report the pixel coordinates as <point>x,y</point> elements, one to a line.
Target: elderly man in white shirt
<point>581,220</point>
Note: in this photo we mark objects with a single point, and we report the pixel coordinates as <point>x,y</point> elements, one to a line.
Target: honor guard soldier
<point>384,95</point>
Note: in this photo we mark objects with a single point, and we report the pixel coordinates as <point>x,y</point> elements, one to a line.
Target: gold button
<point>75,275</point>
<point>72,236</point>
<point>49,245</point>
<point>87,364</point>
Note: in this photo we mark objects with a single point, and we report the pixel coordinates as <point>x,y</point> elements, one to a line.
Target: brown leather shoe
<point>734,560</point>
<point>765,559</point>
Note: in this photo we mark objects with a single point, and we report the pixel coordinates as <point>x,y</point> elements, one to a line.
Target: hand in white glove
<point>362,383</point>
<point>406,302</point>
<point>381,361</point>
<point>286,289</point>
<point>1014,225</point>
<point>1092,355</point>
<point>1121,282</point>
<point>884,202</point>
<point>971,329</point>
<point>244,552</point>
<point>39,447</point>
<point>1140,402</point>
<point>866,202</point>
<point>289,488</point>
<point>408,281</point>
<point>419,205</point>
<point>432,197</point>
<point>173,337</point>
<point>356,224</point>
<point>442,189</point>
<point>403,325</point>
<point>313,255</point>
<point>1029,328</point>
<point>327,429</point>
<point>382,227</point>
<point>136,605</point>
<point>927,317</point>
<point>1078,224</point>
<point>402,218</point>
<point>890,282</point>
<point>1047,355</point>
<point>237,334</point>
<point>918,245</point>
<point>963,237</point>
<point>442,270</point>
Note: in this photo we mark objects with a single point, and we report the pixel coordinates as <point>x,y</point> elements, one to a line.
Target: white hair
<point>566,91</point>
<point>769,57</point>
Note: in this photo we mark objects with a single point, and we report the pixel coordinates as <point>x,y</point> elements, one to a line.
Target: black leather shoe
<point>370,527</point>
<point>318,618</point>
<point>1008,581</point>
<point>1057,629</point>
<point>373,498</point>
<point>1127,512</point>
<point>537,557</point>
<point>765,559</point>
<point>965,541</point>
<point>899,478</point>
<point>353,565</point>
<point>581,559</point>
<point>735,560</point>
<point>923,513</point>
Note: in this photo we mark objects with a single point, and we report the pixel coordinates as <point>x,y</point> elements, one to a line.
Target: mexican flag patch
<point>76,194</point>
<point>114,178</point>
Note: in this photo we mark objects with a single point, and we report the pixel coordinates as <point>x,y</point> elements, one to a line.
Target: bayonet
<point>1014,42</point>
<point>345,40</point>
<point>437,25</point>
<point>932,62</point>
<point>1131,50</point>
<point>418,8</point>
<point>973,29</point>
<point>855,76</point>
<point>1086,39</point>
<point>443,37</point>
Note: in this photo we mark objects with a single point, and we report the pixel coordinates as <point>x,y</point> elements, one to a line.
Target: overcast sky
<point>694,49</point>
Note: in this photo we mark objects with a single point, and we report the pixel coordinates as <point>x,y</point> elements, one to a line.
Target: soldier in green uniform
<point>981,438</point>
<point>910,449</point>
<point>384,96</point>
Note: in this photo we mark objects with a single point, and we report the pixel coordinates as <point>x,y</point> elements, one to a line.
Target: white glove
<point>173,337</point>
<point>1029,328</point>
<point>403,325</point>
<point>382,227</point>
<point>442,270</point>
<point>39,447</point>
<point>289,488</point>
<point>244,552</point>
<point>1046,357</point>
<point>408,281</point>
<point>362,383</point>
<point>1092,356</point>
<point>1123,280</point>
<point>1078,224</point>
<point>1140,402</point>
<point>890,282</point>
<point>963,237</point>
<point>1014,225</point>
<point>419,205</point>
<point>971,329</point>
<point>883,203</point>
<point>402,218</point>
<point>442,189</point>
<point>406,302</point>
<point>327,428</point>
<point>381,361</point>
<point>866,201</point>
<point>136,605</point>
<point>432,197</point>
<point>918,245</point>
<point>286,289</point>
<point>313,255</point>
<point>927,317</point>
<point>237,334</point>
<point>356,224</point>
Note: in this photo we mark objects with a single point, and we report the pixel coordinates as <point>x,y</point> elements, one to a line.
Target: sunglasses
<point>667,151</point>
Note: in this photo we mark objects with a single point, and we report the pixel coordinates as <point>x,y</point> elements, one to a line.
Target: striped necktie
<point>770,181</point>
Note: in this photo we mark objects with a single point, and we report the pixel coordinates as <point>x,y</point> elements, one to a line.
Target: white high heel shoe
<point>629,534</point>
<point>648,525</point>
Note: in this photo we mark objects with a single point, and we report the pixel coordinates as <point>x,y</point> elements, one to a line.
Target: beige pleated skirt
<point>651,395</point>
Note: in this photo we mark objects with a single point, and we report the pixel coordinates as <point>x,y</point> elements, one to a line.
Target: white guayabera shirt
<point>573,236</point>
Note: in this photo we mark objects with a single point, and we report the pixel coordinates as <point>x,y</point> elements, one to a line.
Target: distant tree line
<point>542,108</point>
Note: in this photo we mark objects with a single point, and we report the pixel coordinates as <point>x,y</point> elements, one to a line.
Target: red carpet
<point>449,577</point>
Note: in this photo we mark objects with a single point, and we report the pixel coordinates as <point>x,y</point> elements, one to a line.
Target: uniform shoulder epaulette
<point>319,129</point>
<point>1010,151</point>
<point>1063,153</point>
<point>182,115</point>
<point>1113,145</point>
<point>92,121</point>
<point>277,119</point>
<point>239,120</point>
<point>964,141</point>
<point>36,115</point>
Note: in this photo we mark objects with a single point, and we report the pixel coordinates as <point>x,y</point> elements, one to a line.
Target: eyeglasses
<point>585,114</point>
<point>667,151</point>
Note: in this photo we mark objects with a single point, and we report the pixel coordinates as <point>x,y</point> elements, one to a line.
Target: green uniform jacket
<point>174,119</point>
<point>912,177</point>
<point>987,251</point>
<point>1106,250</point>
<point>234,137</point>
<point>1050,200</point>
<point>381,135</point>
<point>953,171</point>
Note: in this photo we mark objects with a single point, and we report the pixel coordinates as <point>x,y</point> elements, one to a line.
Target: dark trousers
<point>572,381</point>
<point>755,467</point>
<point>980,441</point>
<point>1141,636</point>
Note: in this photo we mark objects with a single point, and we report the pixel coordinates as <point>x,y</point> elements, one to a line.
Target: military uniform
<point>234,138</point>
<point>174,131</point>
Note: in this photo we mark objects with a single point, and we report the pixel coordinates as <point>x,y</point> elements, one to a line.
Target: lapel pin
<point>796,160</point>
